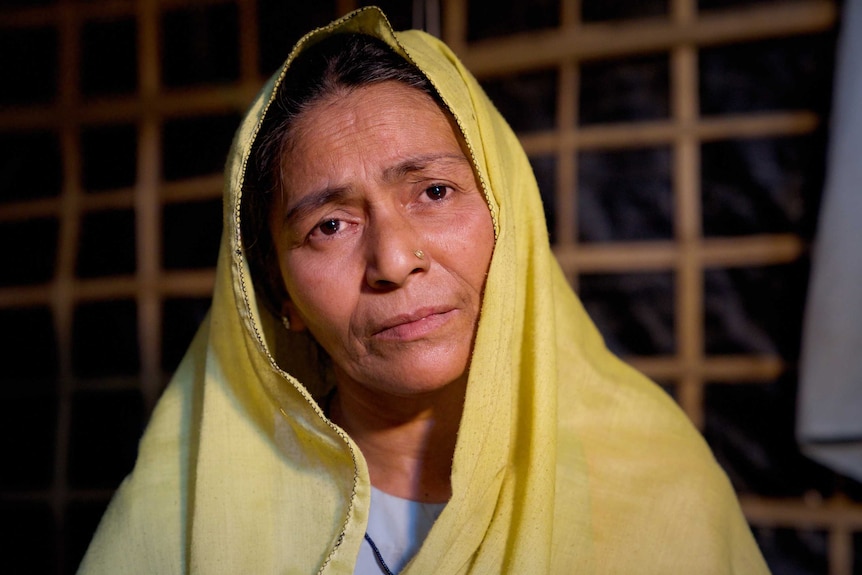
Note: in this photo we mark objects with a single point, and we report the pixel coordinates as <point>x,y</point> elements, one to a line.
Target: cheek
<point>306,286</point>
<point>317,291</point>
<point>474,243</point>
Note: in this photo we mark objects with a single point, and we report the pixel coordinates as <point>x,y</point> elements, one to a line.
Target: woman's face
<point>373,177</point>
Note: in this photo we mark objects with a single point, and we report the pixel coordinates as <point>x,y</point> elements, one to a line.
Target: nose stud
<point>419,254</point>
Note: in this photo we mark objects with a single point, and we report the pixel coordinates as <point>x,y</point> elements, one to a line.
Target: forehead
<point>373,124</point>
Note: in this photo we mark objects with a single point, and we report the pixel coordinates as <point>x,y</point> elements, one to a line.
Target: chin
<point>406,370</point>
<point>420,382</point>
<point>413,376</point>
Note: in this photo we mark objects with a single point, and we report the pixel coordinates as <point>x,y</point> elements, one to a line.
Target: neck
<point>408,442</point>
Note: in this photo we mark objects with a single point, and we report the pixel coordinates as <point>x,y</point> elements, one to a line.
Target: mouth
<point>414,325</point>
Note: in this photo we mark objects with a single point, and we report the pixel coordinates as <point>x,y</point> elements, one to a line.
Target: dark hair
<point>337,64</point>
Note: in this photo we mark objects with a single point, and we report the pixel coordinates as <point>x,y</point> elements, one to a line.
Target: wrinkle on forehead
<point>312,122</point>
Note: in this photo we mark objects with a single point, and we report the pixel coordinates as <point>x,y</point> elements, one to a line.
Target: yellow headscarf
<point>567,460</point>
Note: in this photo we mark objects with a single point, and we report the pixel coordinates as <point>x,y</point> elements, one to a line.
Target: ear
<point>289,311</point>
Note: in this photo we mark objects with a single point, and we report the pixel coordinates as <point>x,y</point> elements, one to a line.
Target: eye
<point>329,227</point>
<point>437,192</point>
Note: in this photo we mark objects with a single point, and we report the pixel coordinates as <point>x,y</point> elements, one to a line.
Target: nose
<point>394,251</point>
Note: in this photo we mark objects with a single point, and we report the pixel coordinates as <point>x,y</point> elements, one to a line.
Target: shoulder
<point>653,498</point>
<point>144,527</point>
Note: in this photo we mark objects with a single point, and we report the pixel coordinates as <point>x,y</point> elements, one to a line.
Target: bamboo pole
<point>510,54</point>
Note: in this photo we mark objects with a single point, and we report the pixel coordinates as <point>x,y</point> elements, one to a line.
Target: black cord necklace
<point>383,566</point>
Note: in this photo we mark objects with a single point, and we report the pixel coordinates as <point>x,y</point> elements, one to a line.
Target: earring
<point>285,322</point>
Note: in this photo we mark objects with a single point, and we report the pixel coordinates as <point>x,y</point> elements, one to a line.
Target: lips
<point>413,325</point>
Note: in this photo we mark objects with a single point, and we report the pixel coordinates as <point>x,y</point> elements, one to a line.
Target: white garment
<point>829,425</point>
<point>398,527</point>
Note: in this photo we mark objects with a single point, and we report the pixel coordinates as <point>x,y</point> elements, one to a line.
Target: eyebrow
<point>318,198</point>
<point>310,202</point>
<point>419,163</point>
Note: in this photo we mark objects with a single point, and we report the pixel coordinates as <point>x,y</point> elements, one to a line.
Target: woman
<point>390,334</point>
